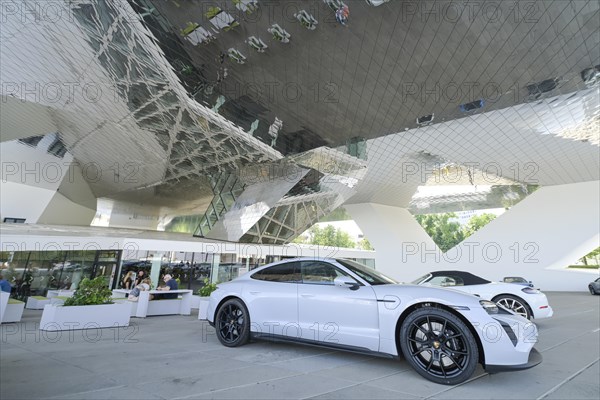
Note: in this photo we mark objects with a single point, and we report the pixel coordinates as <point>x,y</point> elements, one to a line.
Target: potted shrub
<point>90,307</point>
<point>204,293</point>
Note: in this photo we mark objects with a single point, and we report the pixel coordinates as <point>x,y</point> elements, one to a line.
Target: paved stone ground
<point>177,357</point>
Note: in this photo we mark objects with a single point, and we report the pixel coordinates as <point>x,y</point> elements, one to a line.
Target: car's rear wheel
<point>232,323</point>
<point>592,291</point>
<point>515,304</point>
<point>439,346</point>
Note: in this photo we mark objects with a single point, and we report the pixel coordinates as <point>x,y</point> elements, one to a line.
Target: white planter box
<point>36,304</point>
<point>3,303</point>
<point>61,293</point>
<point>195,301</point>
<point>203,308</point>
<point>60,318</point>
<point>57,302</point>
<point>13,312</point>
<point>158,307</point>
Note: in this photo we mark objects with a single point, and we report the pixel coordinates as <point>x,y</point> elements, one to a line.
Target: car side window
<point>446,281</point>
<point>288,273</point>
<point>319,272</point>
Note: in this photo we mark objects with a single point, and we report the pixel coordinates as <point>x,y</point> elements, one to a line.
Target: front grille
<point>509,332</point>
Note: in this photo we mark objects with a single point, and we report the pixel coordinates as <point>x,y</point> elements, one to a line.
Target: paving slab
<point>180,357</point>
<point>360,392</point>
<point>295,387</point>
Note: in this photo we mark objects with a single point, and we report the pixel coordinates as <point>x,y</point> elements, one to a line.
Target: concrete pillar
<point>43,188</point>
<point>537,239</point>
<point>155,270</point>
<point>393,232</point>
<point>214,268</point>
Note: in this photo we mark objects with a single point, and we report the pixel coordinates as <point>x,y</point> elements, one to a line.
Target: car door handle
<point>255,293</point>
<point>307,295</point>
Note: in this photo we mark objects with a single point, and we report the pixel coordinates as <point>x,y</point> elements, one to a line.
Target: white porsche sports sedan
<point>525,301</point>
<point>339,303</point>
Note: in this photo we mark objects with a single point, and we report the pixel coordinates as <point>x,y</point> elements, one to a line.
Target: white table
<point>121,293</point>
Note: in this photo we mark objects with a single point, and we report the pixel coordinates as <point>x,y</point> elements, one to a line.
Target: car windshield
<point>421,279</point>
<point>368,274</point>
<point>512,279</point>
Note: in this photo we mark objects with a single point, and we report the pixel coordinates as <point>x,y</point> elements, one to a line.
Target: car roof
<point>467,277</point>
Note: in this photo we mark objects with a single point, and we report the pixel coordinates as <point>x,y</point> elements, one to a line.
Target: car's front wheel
<point>439,346</point>
<point>592,291</point>
<point>515,304</point>
<point>232,323</point>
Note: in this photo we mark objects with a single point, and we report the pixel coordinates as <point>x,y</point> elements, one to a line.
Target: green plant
<point>584,266</point>
<point>90,292</point>
<point>190,27</point>
<point>207,289</point>
<point>212,12</point>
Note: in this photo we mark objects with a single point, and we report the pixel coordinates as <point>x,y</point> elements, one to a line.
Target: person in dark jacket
<point>170,284</point>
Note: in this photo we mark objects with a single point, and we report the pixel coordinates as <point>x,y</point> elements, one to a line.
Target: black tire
<point>439,346</point>
<point>232,323</point>
<point>515,304</point>
<point>592,290</point>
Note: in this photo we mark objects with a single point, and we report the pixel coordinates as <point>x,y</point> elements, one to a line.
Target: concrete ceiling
<point>390,65</point>
<point>370,79</point>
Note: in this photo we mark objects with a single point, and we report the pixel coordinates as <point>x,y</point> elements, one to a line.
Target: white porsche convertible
<point>338,303</point>
<point>525,301</point>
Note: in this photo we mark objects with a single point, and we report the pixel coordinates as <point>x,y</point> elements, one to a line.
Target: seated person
<point>141,275</point>
<point>143,286</point>
<point>170,284</point>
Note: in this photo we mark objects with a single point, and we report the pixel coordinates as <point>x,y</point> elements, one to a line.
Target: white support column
<point>395,234</point>
<point>155,269</point>
<point>537,239</point>
<point>20,118</point>
<point>42,188</point>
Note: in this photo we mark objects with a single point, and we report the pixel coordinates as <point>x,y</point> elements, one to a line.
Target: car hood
<point>432,293</point>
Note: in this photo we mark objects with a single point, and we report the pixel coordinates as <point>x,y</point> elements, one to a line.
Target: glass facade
<point>33,273</point>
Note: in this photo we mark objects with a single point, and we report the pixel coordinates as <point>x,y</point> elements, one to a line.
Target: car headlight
<point>489,306</point>
<point>529,290</point>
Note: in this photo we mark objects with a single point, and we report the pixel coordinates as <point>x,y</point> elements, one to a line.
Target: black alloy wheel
<point>232,323</point>
<point>515,304</point>
<point>439,346</point>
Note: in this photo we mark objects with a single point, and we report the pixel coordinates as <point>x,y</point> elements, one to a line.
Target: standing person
<point>170,284</point>
<point>6,287</point>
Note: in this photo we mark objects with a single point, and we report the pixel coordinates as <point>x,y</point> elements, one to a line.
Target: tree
<point>477,222</point>
<point>302,239</point>
<point>594,254</point>
<point>330,236</point>
<point>339,214</point>
<point>445,234</point>
<point>365,245</point>
<point>184,223</point>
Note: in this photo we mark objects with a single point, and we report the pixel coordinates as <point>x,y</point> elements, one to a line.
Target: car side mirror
<point>345,281</point>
